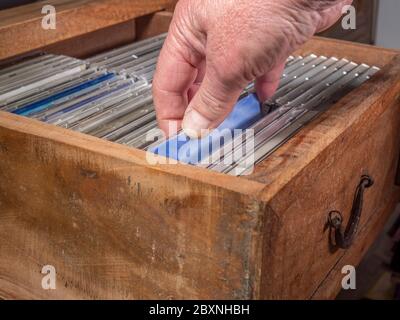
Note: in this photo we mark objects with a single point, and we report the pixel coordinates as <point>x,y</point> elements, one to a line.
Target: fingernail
<point>194,123</point>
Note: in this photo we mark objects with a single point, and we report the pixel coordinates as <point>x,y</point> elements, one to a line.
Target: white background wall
<point>388,24</point>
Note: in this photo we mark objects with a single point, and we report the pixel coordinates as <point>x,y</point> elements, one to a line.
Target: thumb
<point>212,103</point>
<point>269,83</point>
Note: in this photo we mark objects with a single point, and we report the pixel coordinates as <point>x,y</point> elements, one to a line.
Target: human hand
<point>215,48</point>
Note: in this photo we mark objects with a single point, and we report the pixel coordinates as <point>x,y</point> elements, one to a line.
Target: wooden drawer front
<point>111,227</point>
<point>302,255</point>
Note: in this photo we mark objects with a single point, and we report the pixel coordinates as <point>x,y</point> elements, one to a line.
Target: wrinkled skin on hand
<point>216,47</point>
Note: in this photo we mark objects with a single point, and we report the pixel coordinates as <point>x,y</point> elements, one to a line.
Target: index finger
<point>173,78</point>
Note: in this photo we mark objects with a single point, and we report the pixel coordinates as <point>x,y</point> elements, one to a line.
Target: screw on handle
<point>344,237</point>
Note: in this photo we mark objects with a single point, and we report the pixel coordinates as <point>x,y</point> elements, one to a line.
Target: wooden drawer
<point>297,222</point>
<point>115,227</point>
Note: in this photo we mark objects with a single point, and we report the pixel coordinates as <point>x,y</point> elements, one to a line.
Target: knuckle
<point>229,73</point>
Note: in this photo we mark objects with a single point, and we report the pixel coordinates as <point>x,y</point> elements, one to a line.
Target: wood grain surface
<point>152,25</point>
<point>95,42</point>
<point>298,252</point>
<point>21,27</point>
<point>366,15</point>
<point>115,227</point>
<point>78,280</point>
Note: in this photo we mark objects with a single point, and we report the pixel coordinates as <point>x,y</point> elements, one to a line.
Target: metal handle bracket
<point>344,237</point>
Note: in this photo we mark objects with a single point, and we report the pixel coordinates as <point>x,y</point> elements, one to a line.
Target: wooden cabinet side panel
<point>297,253</point>
<point>117,230</point>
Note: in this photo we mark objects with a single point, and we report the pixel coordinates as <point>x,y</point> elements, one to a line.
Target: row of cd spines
<point>119,108</point>
<point>137,61</point>
<point>309,86</point>
<point>86,96</point>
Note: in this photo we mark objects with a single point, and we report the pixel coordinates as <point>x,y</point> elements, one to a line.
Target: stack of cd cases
<point>109,96</point>
<point>137,60</point>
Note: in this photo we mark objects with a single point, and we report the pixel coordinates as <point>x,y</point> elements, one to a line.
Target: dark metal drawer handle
<point>344,237</point>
